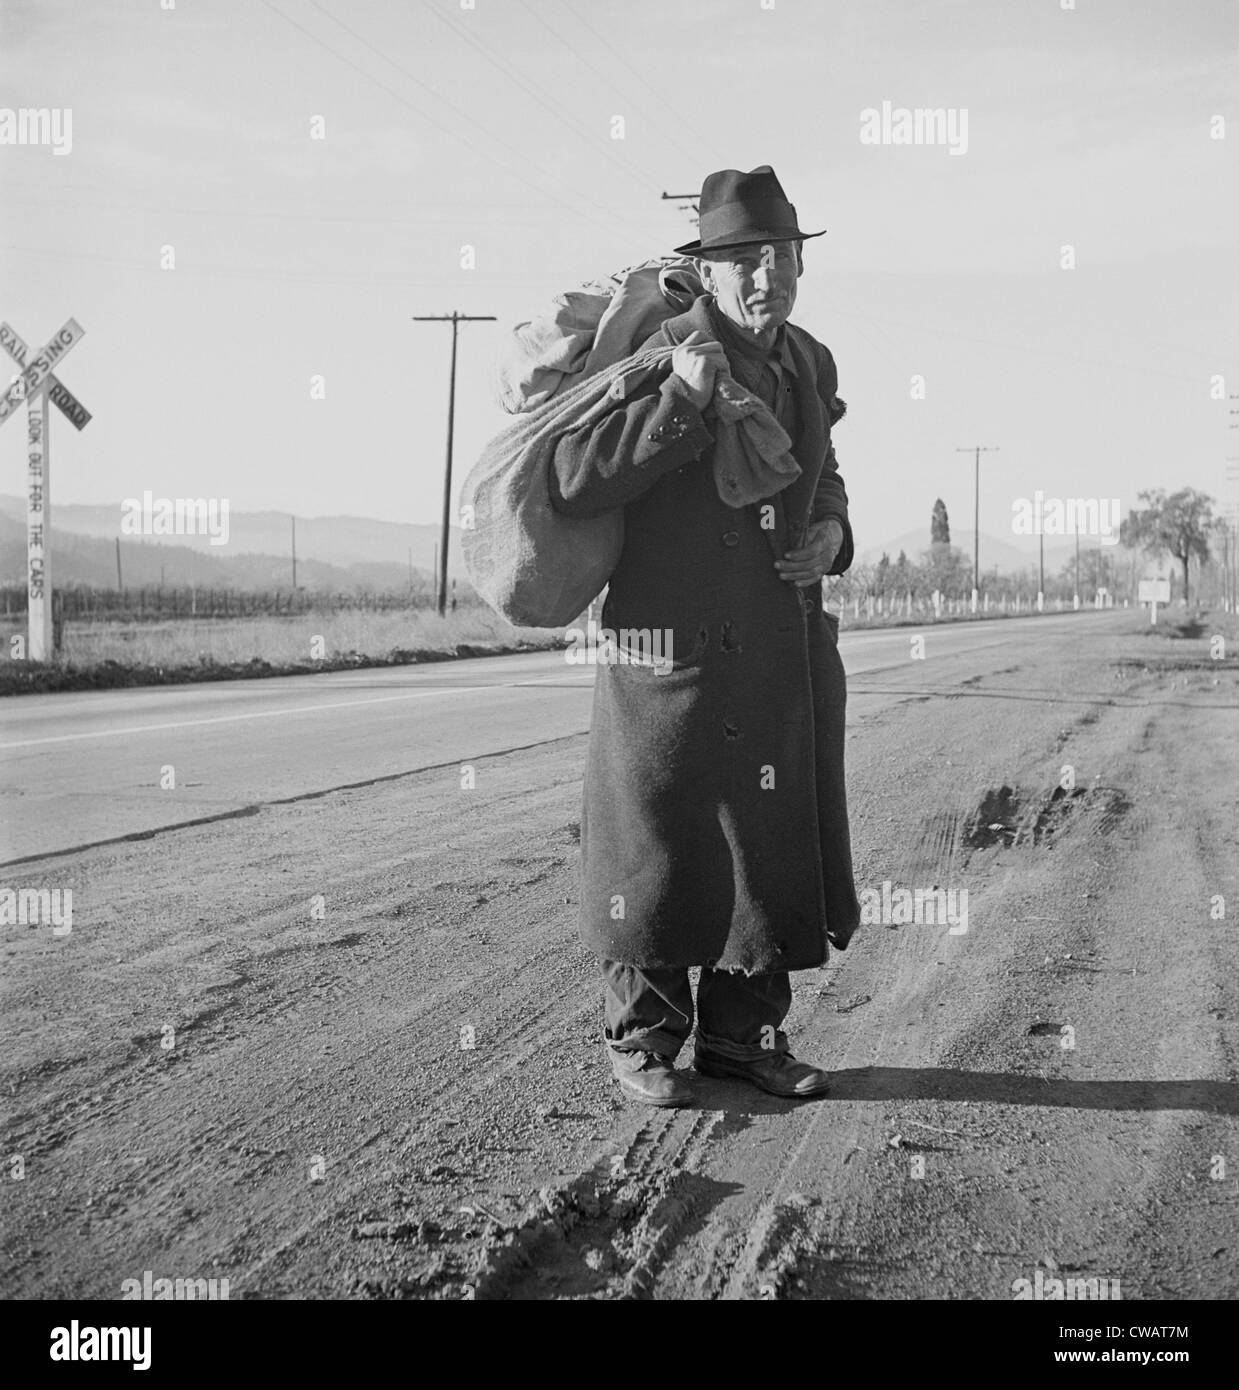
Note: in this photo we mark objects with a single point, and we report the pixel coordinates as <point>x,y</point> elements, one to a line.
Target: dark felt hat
<point>736,209</point>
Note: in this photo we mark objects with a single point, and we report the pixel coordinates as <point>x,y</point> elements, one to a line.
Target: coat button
<point>731,538</point>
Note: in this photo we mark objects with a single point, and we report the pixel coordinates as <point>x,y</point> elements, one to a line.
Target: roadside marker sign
<point>1153,592</point>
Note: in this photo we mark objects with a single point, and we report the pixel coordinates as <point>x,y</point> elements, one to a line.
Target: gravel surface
<point>349,1047</point>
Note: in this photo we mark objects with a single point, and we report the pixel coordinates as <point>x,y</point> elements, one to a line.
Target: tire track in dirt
<point>842,1214</point>
<point>609,1231</point>
<point>788,1224</point>
<point>1083,980</point>
<point>446,910</point>
<point>279,1018</point>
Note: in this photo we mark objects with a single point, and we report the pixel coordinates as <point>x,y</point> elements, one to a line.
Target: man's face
<point>754,285</point>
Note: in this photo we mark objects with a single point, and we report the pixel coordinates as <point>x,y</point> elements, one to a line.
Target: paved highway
<point>88,767</point>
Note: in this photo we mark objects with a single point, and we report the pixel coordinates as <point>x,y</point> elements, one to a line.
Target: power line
<point>518,78</point>
<point>430,120</point>
<point>521,156</point>
<point>668,136</point>
<point>1021,347</point>
<point>369,76</point>
<point>488,213</point>
<point>323,279</point>
<point>619,58</point>
<point>398,280</point>
<point>484,202</point>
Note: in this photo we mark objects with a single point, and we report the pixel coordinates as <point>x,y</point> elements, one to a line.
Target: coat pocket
<point>654,653</point>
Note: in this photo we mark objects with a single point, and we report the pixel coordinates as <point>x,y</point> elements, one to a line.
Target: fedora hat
<point>737,208</point>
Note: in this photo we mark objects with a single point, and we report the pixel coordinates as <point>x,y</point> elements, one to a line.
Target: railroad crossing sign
<point>36,385</point>
<point>59,394</point>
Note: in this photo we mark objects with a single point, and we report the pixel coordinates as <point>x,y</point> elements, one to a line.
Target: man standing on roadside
<point>714,831</point>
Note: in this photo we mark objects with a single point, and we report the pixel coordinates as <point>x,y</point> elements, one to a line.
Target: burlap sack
<point>534,566</point>
<point>589,328</point>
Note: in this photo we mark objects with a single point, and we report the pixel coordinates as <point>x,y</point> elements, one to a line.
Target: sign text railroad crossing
<point>36,385</point>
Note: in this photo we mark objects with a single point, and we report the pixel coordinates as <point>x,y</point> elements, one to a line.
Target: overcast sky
<point>492,127</point>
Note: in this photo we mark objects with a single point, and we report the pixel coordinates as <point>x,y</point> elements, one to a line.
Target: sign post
<point>1153,592</point>
<point>38,531</point>
<point>36,386</point>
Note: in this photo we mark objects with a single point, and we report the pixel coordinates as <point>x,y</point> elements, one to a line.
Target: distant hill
<point>332,552</point>
<point>78,559</point>
<point>344,552</point>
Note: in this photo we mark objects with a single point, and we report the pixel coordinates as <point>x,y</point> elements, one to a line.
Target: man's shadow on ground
<point>995,1088</point>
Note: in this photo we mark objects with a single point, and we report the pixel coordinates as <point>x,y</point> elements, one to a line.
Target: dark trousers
<point>738,1015</point>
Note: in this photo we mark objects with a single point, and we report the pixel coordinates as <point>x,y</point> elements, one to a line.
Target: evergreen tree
<point>939,526</point>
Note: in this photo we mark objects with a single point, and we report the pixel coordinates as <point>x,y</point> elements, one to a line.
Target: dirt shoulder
<point>45,678</point>
<point>350,1047</point>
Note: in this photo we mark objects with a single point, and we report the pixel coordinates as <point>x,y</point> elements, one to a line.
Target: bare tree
<point>1179,523</point>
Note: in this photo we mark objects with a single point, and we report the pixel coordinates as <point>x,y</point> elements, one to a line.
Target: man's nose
<point>763,277</point>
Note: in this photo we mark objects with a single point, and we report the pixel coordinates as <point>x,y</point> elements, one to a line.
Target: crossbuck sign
<point>36,385</point>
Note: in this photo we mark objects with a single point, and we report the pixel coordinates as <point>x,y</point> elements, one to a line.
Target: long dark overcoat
<point>714,829</point>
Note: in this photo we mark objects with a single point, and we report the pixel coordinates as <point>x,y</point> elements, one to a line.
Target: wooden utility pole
<point>1232,567</point>
<point>1234,562</point>
<point>978,449</point>
<point>688,203</point>
<point>119,583</point>
<point>1041,584</point>
<point>293,519</point>
<point>453,318</point>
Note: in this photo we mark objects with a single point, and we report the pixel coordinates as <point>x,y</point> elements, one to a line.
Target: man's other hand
<point>696,361</point>
<point>811,562</point>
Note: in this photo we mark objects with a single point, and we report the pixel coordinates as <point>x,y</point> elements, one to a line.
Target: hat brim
<point>697,248</point>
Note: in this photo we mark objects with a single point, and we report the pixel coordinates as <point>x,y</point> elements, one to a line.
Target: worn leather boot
<point>777,1072</point>
<point>650,1078</point>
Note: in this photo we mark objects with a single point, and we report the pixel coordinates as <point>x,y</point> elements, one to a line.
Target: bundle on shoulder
<point>584,330</point>
<point>557,372</point>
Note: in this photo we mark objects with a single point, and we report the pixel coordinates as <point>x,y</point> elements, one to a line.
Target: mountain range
<point>336,552</point>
